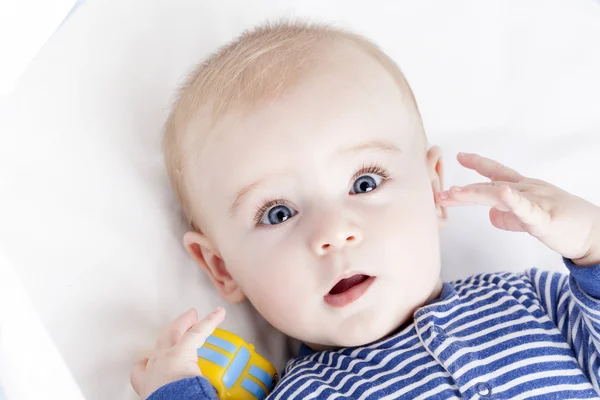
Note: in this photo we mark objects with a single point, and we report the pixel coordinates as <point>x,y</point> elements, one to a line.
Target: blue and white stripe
<point>491,336</point>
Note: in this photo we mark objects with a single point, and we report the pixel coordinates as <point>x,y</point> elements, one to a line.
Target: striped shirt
<point>492,336</point>
<point>531,335</point>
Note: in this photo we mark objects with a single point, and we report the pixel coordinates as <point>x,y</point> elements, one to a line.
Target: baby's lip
<point>348,288</point>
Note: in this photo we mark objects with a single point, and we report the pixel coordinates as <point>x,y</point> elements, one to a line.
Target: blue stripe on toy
<point>236,368</point>
<point>222,344</point>
<point>261,375</point>
<point>213,356</point>
<point>254,388</point>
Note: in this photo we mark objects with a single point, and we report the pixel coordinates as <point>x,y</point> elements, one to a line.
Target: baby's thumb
<point>195,337</point>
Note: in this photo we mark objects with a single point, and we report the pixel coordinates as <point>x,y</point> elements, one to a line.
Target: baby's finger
<point>472,195</point>
<point>195,337</point>
<point>489,168</point>
<point>527,211</point>
<point>498,184</point>
<point>137,371</point>
<point>176,329</point>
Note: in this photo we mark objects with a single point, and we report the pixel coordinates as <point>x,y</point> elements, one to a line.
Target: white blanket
<point>86,213</point>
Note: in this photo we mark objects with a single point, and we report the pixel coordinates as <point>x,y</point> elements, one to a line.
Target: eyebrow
<point>240,198</point>
<point>378,145</point>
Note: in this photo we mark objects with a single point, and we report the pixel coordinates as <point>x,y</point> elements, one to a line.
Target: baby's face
<point>330,182</point>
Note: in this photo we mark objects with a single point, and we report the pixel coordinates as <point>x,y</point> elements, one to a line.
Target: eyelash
<point>372,169</point>
<point>261,210</point>
<point>365,169</point>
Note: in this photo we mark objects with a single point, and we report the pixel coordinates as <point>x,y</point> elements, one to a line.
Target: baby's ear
<point>435,168</point>
<point>203,251</point>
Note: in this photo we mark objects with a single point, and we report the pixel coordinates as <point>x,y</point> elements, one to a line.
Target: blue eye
<point>366,183</point>
<point>277,214</point>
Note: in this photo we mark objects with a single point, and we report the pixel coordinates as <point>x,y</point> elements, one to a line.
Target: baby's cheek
<point>281,302</point>
<point>407,227</point>
<point>279,286</point>
<point>269,274</point>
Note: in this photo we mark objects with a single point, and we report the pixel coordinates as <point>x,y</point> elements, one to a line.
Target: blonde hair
<point>257,67</point>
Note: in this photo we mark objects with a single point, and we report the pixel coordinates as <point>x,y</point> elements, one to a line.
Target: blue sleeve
<point>196,388</point>
<point>572,301</point>
<point>588,278</point>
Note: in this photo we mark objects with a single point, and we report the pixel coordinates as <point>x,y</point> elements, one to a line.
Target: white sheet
<point>30,365</point>
<point>25,25</point>
<point>87,216</point>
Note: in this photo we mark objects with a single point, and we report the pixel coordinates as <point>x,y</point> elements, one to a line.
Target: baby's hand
<point>566,223</point>
<point>175,355</point>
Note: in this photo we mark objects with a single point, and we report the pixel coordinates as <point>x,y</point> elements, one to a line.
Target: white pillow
<point>95,232</point>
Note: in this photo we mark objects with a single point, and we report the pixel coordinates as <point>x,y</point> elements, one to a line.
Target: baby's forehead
<point>268,70</point>
<point>345,88</point>
<point>326,123</point>
<point>277,91</point>
<point>333,99</point>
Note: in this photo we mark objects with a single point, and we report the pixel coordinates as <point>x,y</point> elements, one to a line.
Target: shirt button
<point>483,389</point>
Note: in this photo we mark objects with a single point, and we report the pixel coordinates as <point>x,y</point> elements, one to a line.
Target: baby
<point>299,157</point>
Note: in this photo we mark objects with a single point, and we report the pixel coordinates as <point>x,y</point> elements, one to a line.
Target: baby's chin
<point>356,332</point>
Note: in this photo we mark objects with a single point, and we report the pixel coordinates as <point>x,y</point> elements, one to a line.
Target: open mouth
<point>348,283</point>
<point>348,290</point>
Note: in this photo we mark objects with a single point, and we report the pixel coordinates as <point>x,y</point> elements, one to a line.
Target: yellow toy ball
<point>234,368</point>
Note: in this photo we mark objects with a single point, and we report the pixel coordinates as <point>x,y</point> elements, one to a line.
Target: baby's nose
<point>336,241</point>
